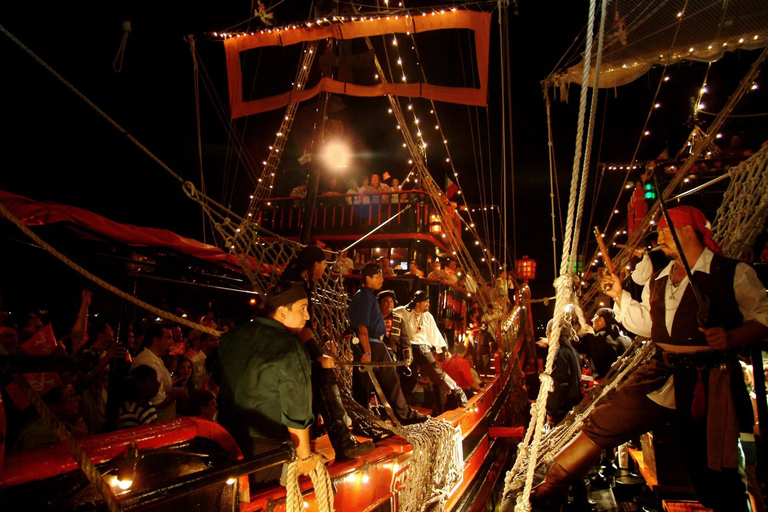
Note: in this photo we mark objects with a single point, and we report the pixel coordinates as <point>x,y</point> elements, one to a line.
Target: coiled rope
<point>321,481</point>
<point>80,270</point>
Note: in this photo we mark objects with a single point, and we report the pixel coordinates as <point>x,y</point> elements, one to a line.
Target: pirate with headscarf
<point>425,336</point>
<point>694,378</point>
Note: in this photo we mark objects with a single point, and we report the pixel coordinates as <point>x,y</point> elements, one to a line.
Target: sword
<point>702,316</point>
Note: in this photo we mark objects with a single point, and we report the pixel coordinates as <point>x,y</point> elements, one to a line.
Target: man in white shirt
<point>694,378</point>
<point>159,339</point>
<point>425,336</point>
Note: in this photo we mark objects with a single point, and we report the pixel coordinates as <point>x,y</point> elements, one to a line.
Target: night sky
<point>56,148</point>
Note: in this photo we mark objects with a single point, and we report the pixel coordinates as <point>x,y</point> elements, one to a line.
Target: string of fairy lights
<point>416,125</point>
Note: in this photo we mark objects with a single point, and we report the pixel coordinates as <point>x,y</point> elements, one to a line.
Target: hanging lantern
<point>435,226</point>
<point>526,268</point>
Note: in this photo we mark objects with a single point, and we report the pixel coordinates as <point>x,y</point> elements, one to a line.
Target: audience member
<point>184,375</point>
<point>64,404</point>
<point>201,404</point>
<point>353,189</point>
<point>136,409</point>
<point>566,375</point>
<point>157,341</point>
<point>208,345</point>
<point>605,345</point>
<point>413,269</point>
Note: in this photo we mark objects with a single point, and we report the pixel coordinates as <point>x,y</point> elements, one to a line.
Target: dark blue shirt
<point>364,310</point>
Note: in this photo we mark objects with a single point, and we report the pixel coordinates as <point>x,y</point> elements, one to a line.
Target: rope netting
<point>554,439</point>
<point>742,215</point>
<point>641,34</point>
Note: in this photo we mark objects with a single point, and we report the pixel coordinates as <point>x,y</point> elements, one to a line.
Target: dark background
<point>55,148</point>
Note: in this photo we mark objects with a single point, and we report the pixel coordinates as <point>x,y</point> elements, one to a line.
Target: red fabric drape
<point>478,22</point>
<point>34,213</point>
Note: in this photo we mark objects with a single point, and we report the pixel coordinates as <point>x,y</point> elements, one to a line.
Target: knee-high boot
<point>573,462</point>
<point>344,443</point>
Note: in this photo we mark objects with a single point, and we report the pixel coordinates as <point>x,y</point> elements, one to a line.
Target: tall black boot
<point>344,443</point>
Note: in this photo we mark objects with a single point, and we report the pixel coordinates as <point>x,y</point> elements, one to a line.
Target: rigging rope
<point>566,283</point>
<point>80,270</point>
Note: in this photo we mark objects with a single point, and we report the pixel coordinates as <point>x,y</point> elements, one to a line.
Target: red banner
<point>41,344</point>
<point>342,29</point>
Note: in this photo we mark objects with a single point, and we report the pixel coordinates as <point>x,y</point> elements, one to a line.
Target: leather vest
<point>723,308</point>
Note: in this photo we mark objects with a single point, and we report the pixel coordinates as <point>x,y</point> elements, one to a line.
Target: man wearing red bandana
<point>694,379</point>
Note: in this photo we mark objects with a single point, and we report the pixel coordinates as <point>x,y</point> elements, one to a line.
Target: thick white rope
<point>590,136</point>
<point>565,264</point>
<point>80,270</point>
<point>321,481</point>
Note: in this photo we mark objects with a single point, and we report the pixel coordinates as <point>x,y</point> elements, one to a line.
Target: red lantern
<point>526,268</point>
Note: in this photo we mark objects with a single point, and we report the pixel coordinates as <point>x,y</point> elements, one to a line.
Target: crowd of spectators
<point>153,372</point>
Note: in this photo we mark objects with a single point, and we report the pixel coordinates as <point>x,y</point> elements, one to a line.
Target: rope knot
<point>189,189</point>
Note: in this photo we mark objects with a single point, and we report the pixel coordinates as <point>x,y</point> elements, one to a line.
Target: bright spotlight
<point>336,155</point>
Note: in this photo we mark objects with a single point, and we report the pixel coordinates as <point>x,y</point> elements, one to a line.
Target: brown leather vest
<point>723,308</point>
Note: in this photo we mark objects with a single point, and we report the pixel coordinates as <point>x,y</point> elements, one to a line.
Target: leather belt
<point>709,359</point>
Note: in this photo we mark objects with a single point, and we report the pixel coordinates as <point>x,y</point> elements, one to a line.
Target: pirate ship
<point>453,462</point>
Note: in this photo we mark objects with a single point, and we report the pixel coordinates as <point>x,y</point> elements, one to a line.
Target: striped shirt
<point>135,415</point>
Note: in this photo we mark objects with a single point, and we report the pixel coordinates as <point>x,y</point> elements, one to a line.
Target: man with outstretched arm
<point>694,378</point>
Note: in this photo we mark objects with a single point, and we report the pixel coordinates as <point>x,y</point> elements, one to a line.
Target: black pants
<point>423,358</point>
<point>388,380</point>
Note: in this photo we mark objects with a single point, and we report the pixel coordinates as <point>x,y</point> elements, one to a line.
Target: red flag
<point>450,187</point>
<point>41,344</point>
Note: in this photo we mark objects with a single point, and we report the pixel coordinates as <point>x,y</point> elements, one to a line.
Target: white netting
<point>642,34</point>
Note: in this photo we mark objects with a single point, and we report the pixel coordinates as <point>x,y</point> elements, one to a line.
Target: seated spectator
<point>201,404</point>
<point>64,404</point>
<point>353,189</point>
<point>363,191</point>
<point>157,340</point>
<point>141,386</point>
<point>266,389</point>
<point>460,370</point>
<point>183,378</point>
<point>298,194</point>
<point>208,345</point>
<point>437,271</point>
<point>102,346</point>
<point>451,270</point>
<point>331,188</point>
<point>386,267</point>
<point>413,269</point>
<point>345,265</point>
<point>379,189</point>
<point>395,198</point>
